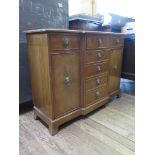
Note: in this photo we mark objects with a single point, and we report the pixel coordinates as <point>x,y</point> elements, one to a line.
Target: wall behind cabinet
<point>34,14</point>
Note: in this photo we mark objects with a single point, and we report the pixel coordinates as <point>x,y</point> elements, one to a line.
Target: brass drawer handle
<point>66,80</point>
<point>66,42</point>
<point>97,94</point>
<point>98,55</point>
<point>99,42</point>
<point>117,41</point>
<point>98,68</point>
<point>115,67</point>
<point>97,81</point>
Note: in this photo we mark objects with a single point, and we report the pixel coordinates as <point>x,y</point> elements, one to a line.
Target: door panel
<point>66,83</point>
<point>115,70</point>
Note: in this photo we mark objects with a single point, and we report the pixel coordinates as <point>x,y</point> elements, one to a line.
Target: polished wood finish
<point>97,41</point>
<point>96,56</point>
<point>97,94</point>
<point>117,41</point>
<point>72,72</point>
<point>98,81</point>
<point>39,71</point>
<point>96,69</point>
<point>66,94</point>
<point>63,42</point>
<point>115,70</point>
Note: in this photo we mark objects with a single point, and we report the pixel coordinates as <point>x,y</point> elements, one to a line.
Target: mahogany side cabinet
<point>72,72</point>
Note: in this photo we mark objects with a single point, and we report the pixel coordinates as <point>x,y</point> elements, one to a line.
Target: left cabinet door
<point>66,83</point>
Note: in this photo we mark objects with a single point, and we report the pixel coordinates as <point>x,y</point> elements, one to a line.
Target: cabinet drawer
<point>94,56</point>
<point>91,70</point>
<point>93,42</point>
<point>97,94</point>
<point>64,42</point>
<point>96,82</point>
<point>117,41</point>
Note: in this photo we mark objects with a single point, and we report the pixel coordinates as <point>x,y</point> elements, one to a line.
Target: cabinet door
<point>128,64</point>
<point>115,70</point>
<point>66,83</point>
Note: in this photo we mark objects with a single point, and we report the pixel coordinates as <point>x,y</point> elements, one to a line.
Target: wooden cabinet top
<point>70,31</point>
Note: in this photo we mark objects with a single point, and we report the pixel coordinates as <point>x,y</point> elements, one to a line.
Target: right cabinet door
<point>115,70</point>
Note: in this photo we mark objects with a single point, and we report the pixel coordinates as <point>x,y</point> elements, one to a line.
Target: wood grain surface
<point>59,73</point>
<point>40,72</point>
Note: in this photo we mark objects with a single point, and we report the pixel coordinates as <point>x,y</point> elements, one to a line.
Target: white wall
<point>79,6</point>
<point>121,7</point>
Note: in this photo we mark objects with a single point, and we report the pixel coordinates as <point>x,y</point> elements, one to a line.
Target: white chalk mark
<point>60,5</point>
<point>22,4</point>
<point>31,6</point>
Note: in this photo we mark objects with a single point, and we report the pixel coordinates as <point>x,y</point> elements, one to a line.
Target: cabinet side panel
<point>39,70</point>
<point>115,70</point>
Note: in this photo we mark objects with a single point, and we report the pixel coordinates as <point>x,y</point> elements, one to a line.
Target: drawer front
<point>117,41</point>
<point>93,42</point>
<point>97,94</point>
<point>96,82</point>
<point>64,42</point>
<point>94,56</point>
<point>95,69</point>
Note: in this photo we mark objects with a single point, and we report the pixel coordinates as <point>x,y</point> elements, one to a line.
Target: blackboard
<point>34,14</point>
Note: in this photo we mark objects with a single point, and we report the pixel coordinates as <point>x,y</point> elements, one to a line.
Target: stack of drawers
<point>96,64</point>
<point>72,72</point>
<point>102,68</point>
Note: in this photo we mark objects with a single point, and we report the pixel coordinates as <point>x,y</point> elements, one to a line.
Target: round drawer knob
<point>67,80</point>
<point>98,55</point>
<point>98,68</point>
<point>117,41</point>
<point>66,42</point>
<point>99,42</point>
<point>115,67</point>
<point>97,94</point>
<point>97,81</point>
